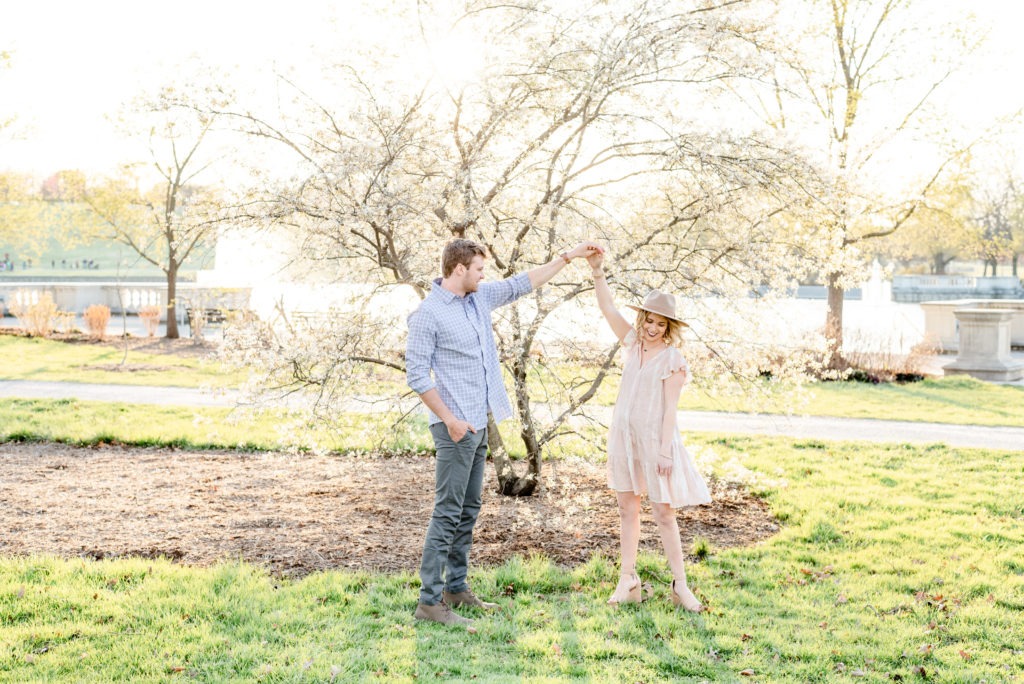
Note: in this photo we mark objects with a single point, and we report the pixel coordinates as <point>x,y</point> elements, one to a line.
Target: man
<point>452,363</point>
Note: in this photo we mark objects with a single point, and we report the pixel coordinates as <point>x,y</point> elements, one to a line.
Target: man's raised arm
<point>542,274</point>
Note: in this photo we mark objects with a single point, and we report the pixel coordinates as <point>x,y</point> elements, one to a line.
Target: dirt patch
<point>189,347</point>
<point>134,367</point>
<point>300,514</point>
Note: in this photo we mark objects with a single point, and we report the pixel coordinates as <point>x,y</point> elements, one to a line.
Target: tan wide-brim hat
<point>660,303</point>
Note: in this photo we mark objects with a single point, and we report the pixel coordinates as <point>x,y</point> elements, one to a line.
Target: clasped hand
<point>585,249</point>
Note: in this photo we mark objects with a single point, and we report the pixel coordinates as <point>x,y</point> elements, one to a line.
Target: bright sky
<point>74,62</point>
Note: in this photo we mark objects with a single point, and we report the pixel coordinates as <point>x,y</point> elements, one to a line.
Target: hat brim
<point>663,315</point>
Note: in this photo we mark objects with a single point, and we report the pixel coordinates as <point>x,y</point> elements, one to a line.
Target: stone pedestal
<point>940,324</point>
<point>984,349</point>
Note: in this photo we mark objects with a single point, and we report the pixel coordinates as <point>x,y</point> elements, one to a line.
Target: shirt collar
<point>446,295</point>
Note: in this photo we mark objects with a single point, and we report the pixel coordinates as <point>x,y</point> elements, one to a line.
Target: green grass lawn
<point>960,400</point>
<point>72,421</point>
<point>895,563</point>
<point>33,358</point>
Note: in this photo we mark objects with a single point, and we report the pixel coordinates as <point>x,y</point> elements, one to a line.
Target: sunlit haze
<point>74,64</point>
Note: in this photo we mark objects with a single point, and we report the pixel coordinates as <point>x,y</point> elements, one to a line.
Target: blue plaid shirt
<point>452,337</point>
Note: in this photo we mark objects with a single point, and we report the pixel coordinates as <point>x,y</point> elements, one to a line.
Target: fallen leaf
<point>471,630</point>
<point>858,673</point>
<point>746,637</point>
<point>920,671</point>
<point>557,649</point>
<point>924,648</point>
<point>841,599</point>
<point>823,625</point>
<point>965,655</point>
<point>747,673</point>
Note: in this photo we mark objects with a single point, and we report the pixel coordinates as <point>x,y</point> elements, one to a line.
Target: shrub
<point>96,318</point>
<point>150,316</point>
<point>36,319</point>
<point>876,361</point>
<point>196,321</point>
<point>65,321</point>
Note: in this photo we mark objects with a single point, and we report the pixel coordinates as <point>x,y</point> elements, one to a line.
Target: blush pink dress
<point>634,438</point>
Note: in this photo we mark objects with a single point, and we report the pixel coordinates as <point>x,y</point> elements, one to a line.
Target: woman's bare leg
<point>668,527</point>
<point>629,543</point>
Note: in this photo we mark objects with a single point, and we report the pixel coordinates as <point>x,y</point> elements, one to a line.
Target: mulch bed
<point>297,514</point>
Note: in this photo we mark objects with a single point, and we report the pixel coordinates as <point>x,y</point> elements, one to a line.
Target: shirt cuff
<point>420,385</point>
<point>521,284</point>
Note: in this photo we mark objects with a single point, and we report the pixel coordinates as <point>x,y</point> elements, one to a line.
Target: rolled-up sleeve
<point>505,291</point>
<point>419,349</point>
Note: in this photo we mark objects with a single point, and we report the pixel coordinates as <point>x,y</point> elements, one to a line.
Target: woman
<point>645,452</point>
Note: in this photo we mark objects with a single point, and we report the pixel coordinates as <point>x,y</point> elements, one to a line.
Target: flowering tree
<point>571,131</point>
<point>166,216</point>
<point>858,77</point>
<point>941,230</point>
<point>998,214</point>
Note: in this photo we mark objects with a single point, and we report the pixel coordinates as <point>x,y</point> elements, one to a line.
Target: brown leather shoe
<point>440,612</point>
<point>467,598</point>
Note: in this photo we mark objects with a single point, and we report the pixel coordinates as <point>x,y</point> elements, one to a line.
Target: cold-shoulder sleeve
<point>675,363</point>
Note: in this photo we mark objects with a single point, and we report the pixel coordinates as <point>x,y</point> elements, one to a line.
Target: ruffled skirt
<point>632,467</point>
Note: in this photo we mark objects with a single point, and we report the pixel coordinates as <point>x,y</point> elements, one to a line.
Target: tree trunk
<point>508,480</point>
<point>510,483</point>
<point>939,262</point>
<point>172,301</point>
<point>834,323</point>
<point>528,483</point>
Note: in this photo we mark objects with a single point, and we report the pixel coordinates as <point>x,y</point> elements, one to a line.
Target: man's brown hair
<point>459,252</point>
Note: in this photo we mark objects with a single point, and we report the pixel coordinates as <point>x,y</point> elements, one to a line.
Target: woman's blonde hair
<point>673,332</point>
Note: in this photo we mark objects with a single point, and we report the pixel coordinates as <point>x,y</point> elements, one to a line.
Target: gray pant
<point>458,484</point>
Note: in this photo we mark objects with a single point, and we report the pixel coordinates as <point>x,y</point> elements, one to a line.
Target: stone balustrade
<point>921,288</point>
<point>124,297</point>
